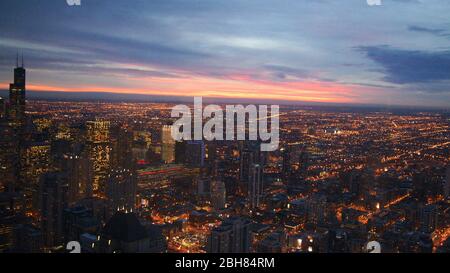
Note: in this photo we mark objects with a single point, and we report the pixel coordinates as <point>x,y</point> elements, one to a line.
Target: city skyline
<point>352,163</point>
<point>107,177</point>
<point>297,51</point>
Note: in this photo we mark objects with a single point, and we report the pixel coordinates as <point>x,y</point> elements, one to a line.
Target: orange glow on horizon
<point>231,86</point>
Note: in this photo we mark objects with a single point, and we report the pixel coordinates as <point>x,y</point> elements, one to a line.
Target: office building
<point>121,190</point>
<point>52,202</point>
<point>167,145</point>
<point>255,186</point>
<point>99,154</point>
<point>232,236</point>
<point>218,194</point>
<point>16,110</point>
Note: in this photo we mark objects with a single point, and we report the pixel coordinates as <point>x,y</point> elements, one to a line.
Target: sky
<point>292,50</point>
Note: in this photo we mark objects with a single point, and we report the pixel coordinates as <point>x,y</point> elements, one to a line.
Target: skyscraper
<point>79,220</point>
<point>11,130</point>
<point>52,202</point>
<point>218,194</point>
<point>249,155</point>
<point>36,161</point>
<point>17,97</point>
<point>2,108</point>
<point>195,153</point>
<point>99,149</point>
<point>77,167</point>
<point>246,159</point>
<point>11,216</point>
<point>286,169</point>
<point>255,186</point>
<point>180,152</point>
<point>428,216</point>
<point>447,183</point>
<point>121,190</point>
<point>304,161</point>
<point>232,236</point>
<point>203,187</point>
<point>167,144</point>
<point>9,158</point>
<point>122,152</point>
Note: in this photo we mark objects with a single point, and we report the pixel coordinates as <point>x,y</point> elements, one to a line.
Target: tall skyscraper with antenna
<point>17,96</point>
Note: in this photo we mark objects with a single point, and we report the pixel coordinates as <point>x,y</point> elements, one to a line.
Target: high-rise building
<point>167,145</point>
<point>53,200</point>
<point>11,130</point>
<point>249,155</point>
<point>11,216</point>
<point>122,148</point>
<point>73,158</point>
<point>78,169</point>
<point>211,153</point>
<point>99,154</point>
<point>203,186</point>
<point>245,161</point>
<point>98,131</point>
<point>447,183</point>
<point>304,161</point>
<point>232,236</point>
<point>219,241</point>
<point>59,149</point>
<point>180,152</point>
<point>36,161</point>
<point>428,216</point>
<point>195,153</point>
<point>79,220</point>
<point>2,108</point>
<point>121,190</point>
<point>273,243</point>
<point>9,158</point>
<point>17,97</point>
<point>286,168</point>
<point>218,194</point>
<point>255,186</point>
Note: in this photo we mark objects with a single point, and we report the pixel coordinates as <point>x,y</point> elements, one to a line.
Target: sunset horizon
<point>235,50</point>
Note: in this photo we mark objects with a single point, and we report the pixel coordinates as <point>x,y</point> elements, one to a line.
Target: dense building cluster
<point>110,176</point>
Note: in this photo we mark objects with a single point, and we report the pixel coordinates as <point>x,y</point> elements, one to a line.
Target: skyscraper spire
<point>22,60</point>
<point>17,58</point>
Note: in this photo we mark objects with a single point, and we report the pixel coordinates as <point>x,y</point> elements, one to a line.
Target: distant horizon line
<point>90,96</point>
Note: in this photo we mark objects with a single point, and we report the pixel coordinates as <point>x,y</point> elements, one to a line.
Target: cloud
<point>440,32</point>
<point>283,72</point>
<point>410,66</point>
<point>426,30</point>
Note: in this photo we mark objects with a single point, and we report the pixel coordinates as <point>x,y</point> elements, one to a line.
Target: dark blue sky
<point>321,50</point>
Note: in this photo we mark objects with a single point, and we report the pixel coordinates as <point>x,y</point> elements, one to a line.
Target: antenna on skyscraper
<point>22,60</point>
<point>17,58</point>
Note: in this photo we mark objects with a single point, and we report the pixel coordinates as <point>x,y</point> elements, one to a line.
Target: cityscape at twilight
<point>87,153</point>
